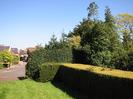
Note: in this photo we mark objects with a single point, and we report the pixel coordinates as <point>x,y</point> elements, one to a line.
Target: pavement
<point>15,72</point>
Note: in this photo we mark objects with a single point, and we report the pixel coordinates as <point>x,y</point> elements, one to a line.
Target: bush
<point>48,72</point>
<point>125,61</point>
<point>103,82</point>
<point>97,85</point>
<point>81,55</point>
<point>130,60</point>
<point>40,56</point>
<point>16,59</point>
<point>6,56</point>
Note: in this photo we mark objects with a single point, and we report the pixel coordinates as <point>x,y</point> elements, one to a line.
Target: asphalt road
<point>15,72</point>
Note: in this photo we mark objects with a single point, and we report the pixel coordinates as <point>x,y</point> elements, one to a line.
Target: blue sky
<point>26,23</point>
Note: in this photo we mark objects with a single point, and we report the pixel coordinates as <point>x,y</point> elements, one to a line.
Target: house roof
<point>31,49</point>
<point>22,52</point>
<point>14,50</point>
<point>2,47</point>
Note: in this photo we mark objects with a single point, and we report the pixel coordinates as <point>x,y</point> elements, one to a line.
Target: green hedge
<point>58,55</point>
<point>48,71</point>
<point>96,86</point>
<point>42,55</point>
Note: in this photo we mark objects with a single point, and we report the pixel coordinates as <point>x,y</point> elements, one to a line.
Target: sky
<point>26,23</point>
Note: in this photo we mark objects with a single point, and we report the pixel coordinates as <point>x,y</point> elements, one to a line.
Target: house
<point>14,51</point>
<point>21,52</point>
<point>31,49</point>
<point>3,47</point>
<point>23,55</point>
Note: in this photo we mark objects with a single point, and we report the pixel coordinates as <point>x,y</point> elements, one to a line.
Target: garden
<point>90,62</point>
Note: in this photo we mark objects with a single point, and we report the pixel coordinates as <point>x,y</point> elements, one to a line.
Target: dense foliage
<point>48,71</point>
<point>103,82</point>
<point>107,43</point>
<point>93,41</point>
<point>55,51</point>
<point>96,85</point>
<point>8,57</point>
<point>104,43</point>
<point>16,59</point>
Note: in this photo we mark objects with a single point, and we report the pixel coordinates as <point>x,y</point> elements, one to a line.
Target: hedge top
<point>101,70</point>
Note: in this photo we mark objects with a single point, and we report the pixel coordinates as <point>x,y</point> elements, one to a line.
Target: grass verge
<point>28,89</point>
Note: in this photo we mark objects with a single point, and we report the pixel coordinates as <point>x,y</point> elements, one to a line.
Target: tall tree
<point>125,28</point>
<point>53,43</point>
<point>108,15</point>
<point>115,46</point>
<point>64,41</point>
<point>99,45</point>
<point>92,10</point>
<point>111,30</point>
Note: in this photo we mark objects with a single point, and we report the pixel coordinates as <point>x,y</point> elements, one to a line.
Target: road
<point>15,72</point>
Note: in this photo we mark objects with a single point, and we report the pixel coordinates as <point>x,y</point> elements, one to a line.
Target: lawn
<point>28,89</point>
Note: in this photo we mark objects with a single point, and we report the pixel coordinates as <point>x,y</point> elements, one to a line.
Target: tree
<point>108,15</point>
<point>124,23</point>
<point>75,41</point>
<point>83,30</point>
<point>64,41</point>
<point>115,46</point>
<point>53,43</point>
<point>111,30</point>
<point>6,56</point>
<point>100,53</point>
<point>92,10</point>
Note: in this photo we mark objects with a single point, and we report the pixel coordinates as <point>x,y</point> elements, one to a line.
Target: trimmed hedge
<point>42,55</point>
<point>48,71</point>
<point>96,82</point>
<point>96,86</point>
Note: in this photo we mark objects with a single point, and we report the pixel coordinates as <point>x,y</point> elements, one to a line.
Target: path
<point>13,73</point>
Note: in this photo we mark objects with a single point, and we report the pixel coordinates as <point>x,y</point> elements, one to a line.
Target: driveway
<point>15,72</point>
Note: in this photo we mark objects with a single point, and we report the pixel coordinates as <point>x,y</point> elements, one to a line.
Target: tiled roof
<point>2,47</point>
<point>14,50</point>
<point>31,49</point>
<point>22,52</point>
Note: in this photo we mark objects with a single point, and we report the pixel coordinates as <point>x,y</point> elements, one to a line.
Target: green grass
<point>28,89</point>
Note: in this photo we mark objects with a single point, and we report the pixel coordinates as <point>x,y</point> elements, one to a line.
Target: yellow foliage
<point>101,70</point>
<point>75,41</point>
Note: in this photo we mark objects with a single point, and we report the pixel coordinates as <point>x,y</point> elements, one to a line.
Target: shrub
<point>80,55</point>
<point>35,59</point>
<point>98,83</point>
<point>130,60</point>
<point>6,56</point>
<point>105,83</point>
<point>40,56</point>
<point>125,61</point>
<point>48,72</point>
<point>16,59</point>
